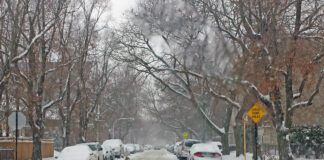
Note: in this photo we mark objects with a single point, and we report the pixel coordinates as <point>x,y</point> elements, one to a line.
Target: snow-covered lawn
<point>232,156</point>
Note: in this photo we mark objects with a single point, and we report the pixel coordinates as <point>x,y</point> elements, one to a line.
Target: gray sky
<point>120,6</point>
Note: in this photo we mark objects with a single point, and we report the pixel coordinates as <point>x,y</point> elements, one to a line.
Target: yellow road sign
<point>257,112</point>
<point>185,135</point>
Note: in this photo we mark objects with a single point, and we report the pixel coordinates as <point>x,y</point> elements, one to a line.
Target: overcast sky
<point>120,6</point>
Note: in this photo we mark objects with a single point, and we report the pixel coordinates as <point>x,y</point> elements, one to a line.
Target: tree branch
<point>309,102</point>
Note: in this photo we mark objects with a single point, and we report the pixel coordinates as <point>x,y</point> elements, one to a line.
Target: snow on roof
<point>112,142</point>
<point>204,147</point>
<point>78,152</point>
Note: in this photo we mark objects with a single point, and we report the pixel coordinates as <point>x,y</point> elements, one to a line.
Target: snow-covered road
<point>153,155</point>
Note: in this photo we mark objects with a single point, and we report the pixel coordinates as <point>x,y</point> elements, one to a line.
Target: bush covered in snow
<point>307,141</point>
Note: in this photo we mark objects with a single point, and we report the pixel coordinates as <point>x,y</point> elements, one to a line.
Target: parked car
<point>96,149</point>
<point>176,148</point>
<point>77,152</point>
<point>204,151</point>
<point>116,145</point>
<point>130,148</point>
<point>148,147</point>
<point>137,148</point>
<point>219,145</point>
<point>108,153</point>
<point>184,147</point>
<point>170,148</point>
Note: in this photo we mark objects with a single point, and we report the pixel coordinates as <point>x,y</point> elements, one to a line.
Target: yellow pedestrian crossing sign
<point>185,135</point>
<point>256,112</point>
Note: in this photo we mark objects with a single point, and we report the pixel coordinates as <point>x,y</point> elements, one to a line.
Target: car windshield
<point>92,147</point>
<point>190,143</point>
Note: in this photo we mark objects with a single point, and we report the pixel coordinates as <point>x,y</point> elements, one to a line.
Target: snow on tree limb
<point>39,35</point>
<point>309,102</point>
<point>60,98</point>
<point>264,98</point>
<point>220,130</point>
<point>225,98</point>
<point>279,70</point>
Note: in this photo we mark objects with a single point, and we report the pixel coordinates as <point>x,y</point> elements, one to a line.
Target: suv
<point>184,148</point>
<point>96,149</point>
<point>116,145</point>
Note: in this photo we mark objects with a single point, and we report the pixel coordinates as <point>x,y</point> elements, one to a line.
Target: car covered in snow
<point>148,147</point>
<point>96,149</point>
<point>184,147</point>
<point>77,152</point>
<point>108,153</point>
<point>130,148</point>
<point>219,145</point>
<point>204,151</point>
<point>116,145</point>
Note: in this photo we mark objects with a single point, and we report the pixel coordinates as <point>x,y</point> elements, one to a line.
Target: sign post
<point>244,135</point>
<point>256,113</point>
<point>16,121</point>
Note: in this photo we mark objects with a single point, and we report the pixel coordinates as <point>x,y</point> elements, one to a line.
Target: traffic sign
<point>257,112</point>
<point>12,120</point>
<point>185,135</point>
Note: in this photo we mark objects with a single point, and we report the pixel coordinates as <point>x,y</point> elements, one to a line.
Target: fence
<point>7,154</point>
<point>25,147</point>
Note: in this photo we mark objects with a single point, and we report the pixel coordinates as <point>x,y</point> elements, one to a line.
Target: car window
<point>190,143</point>
<point>92,147</point>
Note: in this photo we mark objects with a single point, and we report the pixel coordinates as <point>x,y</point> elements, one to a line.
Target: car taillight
<point>216,155</point>
<point>198,154</point>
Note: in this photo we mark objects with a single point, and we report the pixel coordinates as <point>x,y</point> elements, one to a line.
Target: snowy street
<point>153,154</point>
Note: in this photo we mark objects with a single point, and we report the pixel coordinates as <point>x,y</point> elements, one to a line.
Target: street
<point>153,154</point>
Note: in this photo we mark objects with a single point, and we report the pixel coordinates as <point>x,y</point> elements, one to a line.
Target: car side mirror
<point>91,154</point>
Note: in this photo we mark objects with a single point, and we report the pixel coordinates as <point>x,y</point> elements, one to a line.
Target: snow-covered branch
<point>279,70</point>
<point>264,98</point>
<point>309,102</point>
<point>225,98</point>
<point>219,129</point>
<point>61,96</point>
<point>24,53</point>
<point>301,87</point>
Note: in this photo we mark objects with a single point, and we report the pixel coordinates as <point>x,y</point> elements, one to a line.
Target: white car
<point>184,147</point>
<point>148,147</point>
<point>130,148</point>
<point>77,152</point>
<point>96,149</point>
<point>219,145</point>
<point>176,148</point>
<point>116,145</point>
<point>205,151</point>
<point>108,153</point>
<point>137,148</point>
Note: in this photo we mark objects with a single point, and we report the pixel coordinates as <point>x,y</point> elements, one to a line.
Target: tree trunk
<point>66,133</point>
<point>37,145</point>
<point>227,122</point>
<point>238,130</point>
<point>83,125</point>
<point>283,146</point>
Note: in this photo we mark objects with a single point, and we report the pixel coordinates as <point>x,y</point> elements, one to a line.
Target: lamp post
<point>132,119</point>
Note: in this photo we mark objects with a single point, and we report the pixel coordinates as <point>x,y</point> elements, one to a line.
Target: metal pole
<point>17,135</point>
<point>113,137</point>
<point>244,139</point>
<point>256,141</point>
